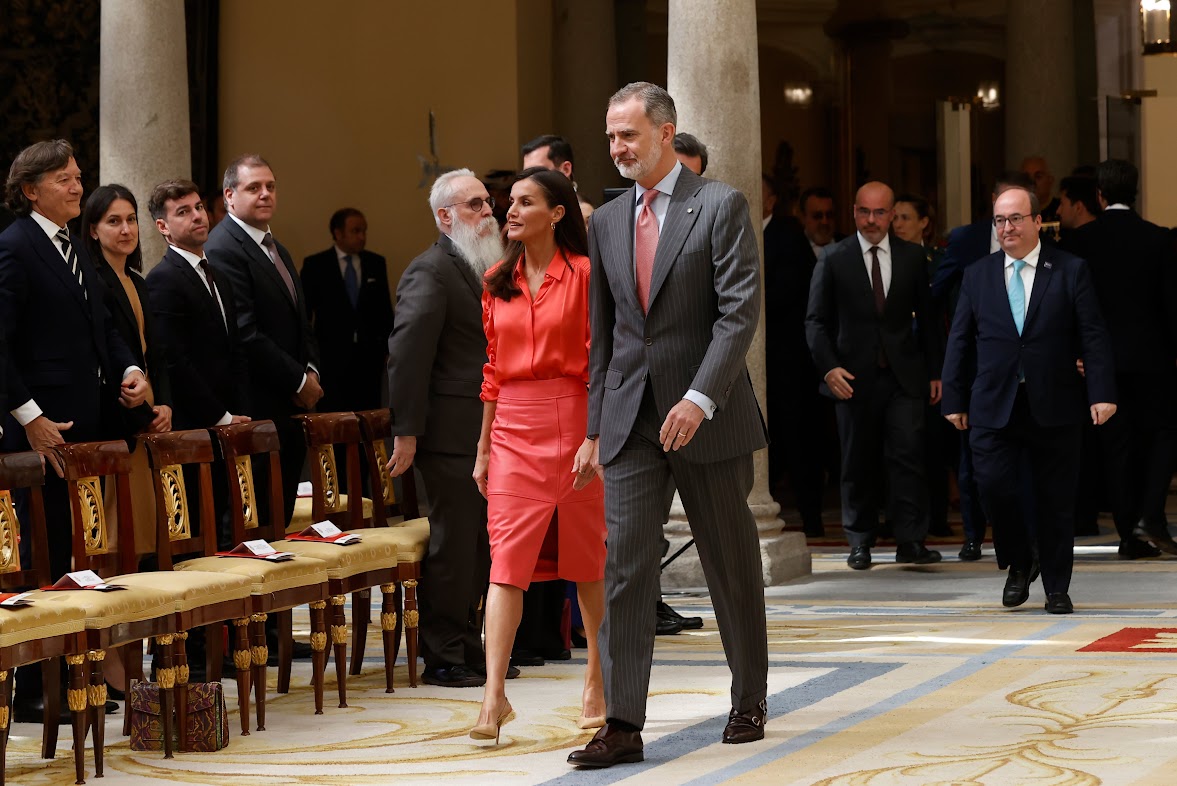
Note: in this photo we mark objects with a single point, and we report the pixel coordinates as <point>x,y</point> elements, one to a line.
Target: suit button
<point>649,342</point>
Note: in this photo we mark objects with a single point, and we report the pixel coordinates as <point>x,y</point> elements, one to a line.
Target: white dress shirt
<point>1028,271</point>
<point>884,247</point>
<point>660,205</point>
<point>258,235</point>
<point>1118,206</point>
<point>29,411</point>
<point>343,264</point>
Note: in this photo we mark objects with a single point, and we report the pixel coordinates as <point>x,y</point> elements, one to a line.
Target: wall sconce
<point>1156,29</point>
<point>988,96</point>
<point>798,94</point>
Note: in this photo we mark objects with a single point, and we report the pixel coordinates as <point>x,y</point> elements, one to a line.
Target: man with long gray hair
<point>435,358</point>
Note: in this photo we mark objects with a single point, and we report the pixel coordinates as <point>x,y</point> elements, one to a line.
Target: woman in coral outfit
<point>545,512</point>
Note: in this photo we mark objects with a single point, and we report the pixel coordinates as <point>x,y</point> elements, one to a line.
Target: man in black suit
<point>864,292</point>
<point>1134,272</point>
<point>350,310</point>
<point>967,244</point>
<point>1025,314</point>
<point>796,437</point>
<point>435,357</point>
<point>271,316</point>
<point>67,364</point>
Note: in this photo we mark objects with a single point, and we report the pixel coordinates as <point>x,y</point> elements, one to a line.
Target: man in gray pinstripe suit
<point>675,299</point>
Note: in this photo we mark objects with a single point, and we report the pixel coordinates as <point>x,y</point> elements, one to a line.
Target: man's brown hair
<point>29,166</point>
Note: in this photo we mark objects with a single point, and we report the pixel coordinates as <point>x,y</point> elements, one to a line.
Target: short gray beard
<point>479,252</point>
<point>643,166</point>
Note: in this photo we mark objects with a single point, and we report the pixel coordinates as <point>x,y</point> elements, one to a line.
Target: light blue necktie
<point>1017,295</point>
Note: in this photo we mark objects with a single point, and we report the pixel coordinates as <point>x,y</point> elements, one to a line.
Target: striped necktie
<point>71,260</point>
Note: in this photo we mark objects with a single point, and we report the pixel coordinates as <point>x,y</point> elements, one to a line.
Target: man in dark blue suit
<point>1025,315</point>
<point>67,365</point>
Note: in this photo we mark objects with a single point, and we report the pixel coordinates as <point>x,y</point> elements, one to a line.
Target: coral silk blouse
<point>544,338</point>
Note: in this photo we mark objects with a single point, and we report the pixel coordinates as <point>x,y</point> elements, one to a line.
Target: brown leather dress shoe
<point>609,746</point>
<point>745,726</point>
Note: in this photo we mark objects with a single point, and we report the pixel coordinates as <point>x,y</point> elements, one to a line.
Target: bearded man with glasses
<point>1026,313</point>
<point>435,357</point>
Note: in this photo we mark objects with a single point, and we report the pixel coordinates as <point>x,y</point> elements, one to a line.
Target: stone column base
<point>785,557</point>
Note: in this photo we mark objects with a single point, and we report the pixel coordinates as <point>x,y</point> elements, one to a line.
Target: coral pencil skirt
<point>540,528</point>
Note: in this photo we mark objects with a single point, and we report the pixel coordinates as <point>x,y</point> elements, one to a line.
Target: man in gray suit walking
<point>675,300</point>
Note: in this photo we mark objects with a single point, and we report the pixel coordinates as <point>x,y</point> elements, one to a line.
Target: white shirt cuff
<point>27,412</point>
<point>301,385</point>
<point>704,403</point>
<point>132,368</point>
<point>225,420</point>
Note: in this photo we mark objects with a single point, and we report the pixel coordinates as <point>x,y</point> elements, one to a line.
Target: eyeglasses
<point>866,212</point>
<point>476,204</point>
<point>1015,220</point>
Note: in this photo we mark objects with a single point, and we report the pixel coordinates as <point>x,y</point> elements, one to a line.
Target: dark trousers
<point>1000,457</point>
<point>456,571</point>
<point>939,436</point>
<point>543,613</point>
<point>1137,447</point>
<point>881,429</point>
<point>972,516</point>
<point>796,447</point>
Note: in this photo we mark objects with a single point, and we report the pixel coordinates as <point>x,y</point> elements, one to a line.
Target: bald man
<point>880,366</point>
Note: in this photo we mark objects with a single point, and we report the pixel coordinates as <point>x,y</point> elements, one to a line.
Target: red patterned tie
<point>644,247</point>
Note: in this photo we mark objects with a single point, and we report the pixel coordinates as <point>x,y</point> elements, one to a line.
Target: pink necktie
<point>276,258</point>
<point>645,246</point>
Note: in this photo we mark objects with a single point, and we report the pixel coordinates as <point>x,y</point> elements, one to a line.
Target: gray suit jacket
<point>704,304</point>
<point>436,353</point>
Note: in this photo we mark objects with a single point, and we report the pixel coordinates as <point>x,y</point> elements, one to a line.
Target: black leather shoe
<point>970,551</point>
<point>916,554</point>
<point>1157,535</point>
<point>688,623</point>
<point>459,676</point>
<point>556,655</point>
<point>745,726</point>
<point>1059,603</point>
<point>526,658</point>
<point>859,558</point>
<point>667,627</point>
<point>1137,549</point>
<point>609,746</point>
<point>480,670</point>
<point>1017,585</point>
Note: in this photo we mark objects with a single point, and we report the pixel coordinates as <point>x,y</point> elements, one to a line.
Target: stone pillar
<point>1041,117</point>
<point>144,134</point>
<point>584,66</point>
<point>713,75</point>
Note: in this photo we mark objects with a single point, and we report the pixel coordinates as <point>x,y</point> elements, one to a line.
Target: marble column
<point>1041,116</point>
<point>144,135</point>
<point>713,75</point>
<point>584,75</point>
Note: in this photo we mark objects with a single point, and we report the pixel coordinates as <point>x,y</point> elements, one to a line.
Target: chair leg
<point>411,618</point>
<point>388,618</point>
<point>260,654</point>
<point>51,679</point>
<point>318,650</point>
<point>242,660</point>
<point>165,673</point>
<point>361,611</point>
<point>133,655</point>
<point>180,654</point>
<point>76,697</point>
<point>5,703</point>
<point>97,699</point>
<point>339,640</point>
<point>398,601</point>
<point>285,649</point>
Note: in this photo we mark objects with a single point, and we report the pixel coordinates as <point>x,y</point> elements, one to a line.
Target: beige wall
<point>336,96</point>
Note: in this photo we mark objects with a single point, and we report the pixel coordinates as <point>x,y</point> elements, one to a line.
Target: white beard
<point>642,167</point>
<point>479,252</point>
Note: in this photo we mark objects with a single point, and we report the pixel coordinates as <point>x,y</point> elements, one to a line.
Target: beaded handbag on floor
<point>208,728</point>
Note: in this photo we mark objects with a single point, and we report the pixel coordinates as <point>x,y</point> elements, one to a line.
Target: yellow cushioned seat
<point>40,621</point>
<point>302,512</point>
<point>265,576</point>
<point>344,561</point>
<point>411,538</point>
<point>107,609</point>
<point>195,588</point>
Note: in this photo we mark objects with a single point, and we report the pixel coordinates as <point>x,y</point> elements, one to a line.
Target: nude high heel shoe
<point>590,723</point>
<point>491,731</point>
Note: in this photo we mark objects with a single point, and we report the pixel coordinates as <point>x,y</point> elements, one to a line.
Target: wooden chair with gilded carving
<point>213,595</point>
<point>278,586</point>
<point>355,568</point>
<point>402,521</point>
<point>38,632</point>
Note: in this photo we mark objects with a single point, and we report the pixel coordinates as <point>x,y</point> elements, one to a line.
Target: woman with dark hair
<point>545,512</point>
<point>110,230</point>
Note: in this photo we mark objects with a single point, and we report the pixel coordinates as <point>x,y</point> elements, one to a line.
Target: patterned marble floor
<point>893,677</point>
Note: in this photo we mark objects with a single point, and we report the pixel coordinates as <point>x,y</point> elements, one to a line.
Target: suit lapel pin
<point>690,210</point>
<point>1046,265</point>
